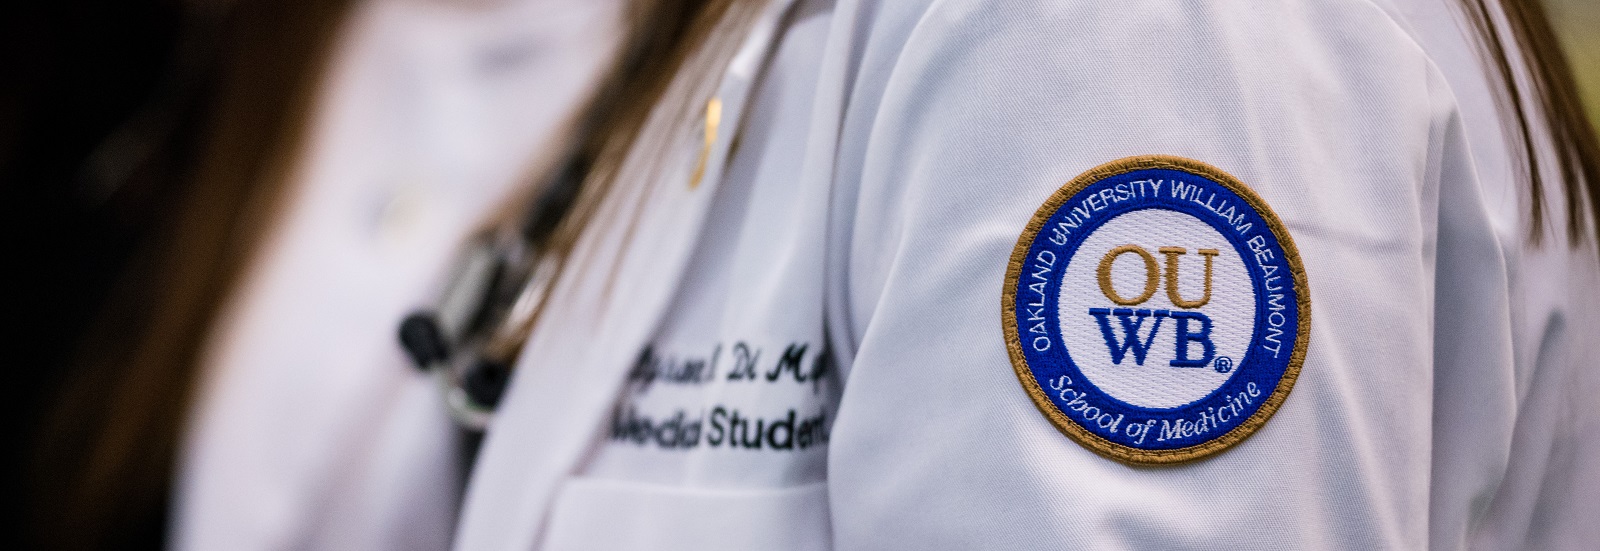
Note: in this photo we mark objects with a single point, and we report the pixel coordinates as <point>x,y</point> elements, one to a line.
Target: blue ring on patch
<point>1258,383</point>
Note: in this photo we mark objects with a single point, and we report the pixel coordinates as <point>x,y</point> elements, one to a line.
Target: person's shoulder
<point>1105,26</point>
<point>1137,61</point>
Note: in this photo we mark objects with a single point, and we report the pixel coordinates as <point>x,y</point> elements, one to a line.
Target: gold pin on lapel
<point>713,118</point>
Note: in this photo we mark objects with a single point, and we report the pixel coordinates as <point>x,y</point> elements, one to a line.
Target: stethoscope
<point>475,330</point>
<point>470,339</point>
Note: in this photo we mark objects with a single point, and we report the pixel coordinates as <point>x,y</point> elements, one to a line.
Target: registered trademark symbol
<point>1223,364</point>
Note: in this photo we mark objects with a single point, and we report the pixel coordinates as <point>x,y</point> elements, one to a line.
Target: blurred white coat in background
<point>311,430</point>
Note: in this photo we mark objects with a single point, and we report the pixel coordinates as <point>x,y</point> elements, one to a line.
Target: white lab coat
<point>890,156</point>
<point>312,430</point>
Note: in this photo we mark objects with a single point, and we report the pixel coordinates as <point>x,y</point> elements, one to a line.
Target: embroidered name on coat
<point>1156,310</point>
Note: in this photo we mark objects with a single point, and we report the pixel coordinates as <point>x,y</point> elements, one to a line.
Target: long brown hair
<point>663,35</point>
<point>101,470</point>
<point>1550,99</point>
<point>103,456</point>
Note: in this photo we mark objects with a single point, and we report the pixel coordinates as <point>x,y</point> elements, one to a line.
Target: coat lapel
<point>619,281</point>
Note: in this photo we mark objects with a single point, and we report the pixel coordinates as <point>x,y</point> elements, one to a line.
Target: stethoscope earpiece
<point>423,340</point>
<point>468,342</point>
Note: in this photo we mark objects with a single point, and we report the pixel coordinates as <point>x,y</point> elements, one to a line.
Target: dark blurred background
<point>76,72</point>
<point>98,117</point>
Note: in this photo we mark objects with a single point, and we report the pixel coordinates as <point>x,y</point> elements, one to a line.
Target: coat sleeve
<point>965,116</point>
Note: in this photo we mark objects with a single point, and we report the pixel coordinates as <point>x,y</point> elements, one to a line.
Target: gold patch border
<point>1102,446</point>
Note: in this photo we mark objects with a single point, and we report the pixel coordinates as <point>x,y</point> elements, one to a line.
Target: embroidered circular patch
<point>1156,310</point>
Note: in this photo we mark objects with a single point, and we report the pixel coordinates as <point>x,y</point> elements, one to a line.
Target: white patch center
<point>1159,330</point>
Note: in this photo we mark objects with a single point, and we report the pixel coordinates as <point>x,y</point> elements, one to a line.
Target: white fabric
<point>312,430</point>
<point>1447,395</point>
<point>684,518</point>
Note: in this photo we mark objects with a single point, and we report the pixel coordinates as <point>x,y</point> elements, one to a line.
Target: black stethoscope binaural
<point>472,336</point>
<point>469,340</point>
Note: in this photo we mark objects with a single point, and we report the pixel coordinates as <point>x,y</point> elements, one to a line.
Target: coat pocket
<point>618,515</point>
